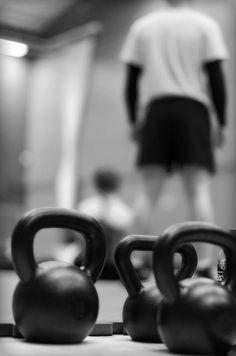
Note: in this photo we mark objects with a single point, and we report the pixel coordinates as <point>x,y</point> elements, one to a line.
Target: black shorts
<point>176,133</point>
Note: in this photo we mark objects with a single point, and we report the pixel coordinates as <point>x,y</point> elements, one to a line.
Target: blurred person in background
<point>108,207</point>
<point>174,65</point>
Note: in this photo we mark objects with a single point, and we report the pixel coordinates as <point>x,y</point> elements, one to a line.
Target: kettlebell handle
<point>41,218</point>
<point>189,232</point>
<point>132,243</point>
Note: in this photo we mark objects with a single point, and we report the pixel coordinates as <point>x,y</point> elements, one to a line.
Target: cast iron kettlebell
<point>197,316</point>
<point>141,306</point>
<point>222,263</point>
<point>55,302</point>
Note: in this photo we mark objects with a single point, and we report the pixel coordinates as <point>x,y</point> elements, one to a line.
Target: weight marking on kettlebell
<point>222,264</point>
<point>220,277</point>
<point>221,268</point>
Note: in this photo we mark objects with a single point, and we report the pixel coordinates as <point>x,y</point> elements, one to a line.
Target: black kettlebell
<point>141,306</point>
<point>197,316</point>
<point>222,263</point>
<point>55,302</point>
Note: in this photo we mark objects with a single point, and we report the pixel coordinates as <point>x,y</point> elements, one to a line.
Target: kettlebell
<point>141,306</point>
<point>198,315</point>
<point>56,302</point>
<point>222,263</point>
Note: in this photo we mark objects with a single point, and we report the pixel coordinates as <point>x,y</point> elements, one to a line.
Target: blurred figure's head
<point>107,180</point>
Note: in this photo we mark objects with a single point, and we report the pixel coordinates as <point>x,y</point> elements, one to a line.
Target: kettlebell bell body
<point>141,306</point>
<point>55,302</point>
<point>139,315</point>
<point>196,316</point>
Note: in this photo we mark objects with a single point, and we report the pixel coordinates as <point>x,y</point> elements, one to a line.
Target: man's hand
<point>136,132</point>
<point>219,137</point>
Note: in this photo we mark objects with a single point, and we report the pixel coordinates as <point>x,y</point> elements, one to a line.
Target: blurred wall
<point>14,76</point>
<point>43,99</point>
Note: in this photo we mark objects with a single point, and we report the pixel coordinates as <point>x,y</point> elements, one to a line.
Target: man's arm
<point>133,74</point>
<point>219,96</point>
<point>218,91</point>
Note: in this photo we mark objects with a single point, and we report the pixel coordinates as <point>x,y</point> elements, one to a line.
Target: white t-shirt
<point>111,209</point>
<point>171,45</point>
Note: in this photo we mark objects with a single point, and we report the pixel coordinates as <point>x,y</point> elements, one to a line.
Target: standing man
<point>178,53</point>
